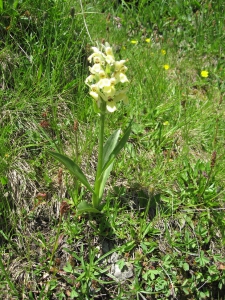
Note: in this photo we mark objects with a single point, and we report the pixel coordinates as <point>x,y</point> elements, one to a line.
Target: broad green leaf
<point>74,294</point>
<point>73,168</point>
<point>107,150</point>
<point>68,268</point>
<point>121,263</point>
<point>4,180</point>
<point>186,266</point>
<point>85,207</point>
<point>104,177</point>
<point>118,147</point>
<point>123,141</point>
<point>110,145</point>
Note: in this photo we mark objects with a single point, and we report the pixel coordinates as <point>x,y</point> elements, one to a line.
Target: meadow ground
<point>160,234</point>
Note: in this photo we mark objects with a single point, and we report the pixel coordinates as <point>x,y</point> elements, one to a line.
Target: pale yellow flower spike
<point>107,81</point>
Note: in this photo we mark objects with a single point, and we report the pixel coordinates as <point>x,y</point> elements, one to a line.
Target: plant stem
<point>96,200</point>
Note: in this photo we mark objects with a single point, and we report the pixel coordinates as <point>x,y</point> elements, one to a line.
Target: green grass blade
<point>10,283</point>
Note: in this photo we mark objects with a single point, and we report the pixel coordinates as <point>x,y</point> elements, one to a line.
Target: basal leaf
<point>73,168</point>
<point>85,207</point>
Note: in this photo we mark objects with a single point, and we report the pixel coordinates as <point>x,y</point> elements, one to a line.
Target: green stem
<point>95,199</point>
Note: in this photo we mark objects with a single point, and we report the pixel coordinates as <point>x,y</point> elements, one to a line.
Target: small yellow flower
<point>134,42</point>
<point>148,40</point>
<point>163,52</point>
<point>204,73</point>
<point>123,48</point>
<point>166,123</point>
<point>166,67</point>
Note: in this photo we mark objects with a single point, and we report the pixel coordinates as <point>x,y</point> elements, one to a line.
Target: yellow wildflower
<point>204,73</point>
<point>148,40</point>
<point>134,42</point>
<point>166,67</point>
<point>163,52</point>
<point>166,123</point>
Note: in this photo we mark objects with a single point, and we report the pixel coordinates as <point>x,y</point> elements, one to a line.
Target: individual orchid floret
<point>104,82</point>
<point>96,57</point>
<point>102,74</point>
<point>113,81</point>
<point>96,52</point>
<point>111,105</point>
<point>109,91</point>
<point>98,60</point>
<point>90,79</point>
<point>121,77</point>
<point>96,69</point>
<point>123,69</point>
<point>121,96</point>
<point>108,50</point>
<point>110,59</point>
<point>107,88</point>
<point>94,95</point>
<point>119,65</point>
<point>94,88</point>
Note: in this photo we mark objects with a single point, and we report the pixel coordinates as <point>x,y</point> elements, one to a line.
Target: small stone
<point>124,274</point>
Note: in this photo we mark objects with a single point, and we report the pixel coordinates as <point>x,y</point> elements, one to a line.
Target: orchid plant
<point>108,85</point>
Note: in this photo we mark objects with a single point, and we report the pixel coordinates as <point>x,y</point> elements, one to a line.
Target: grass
<point>161,233</point>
